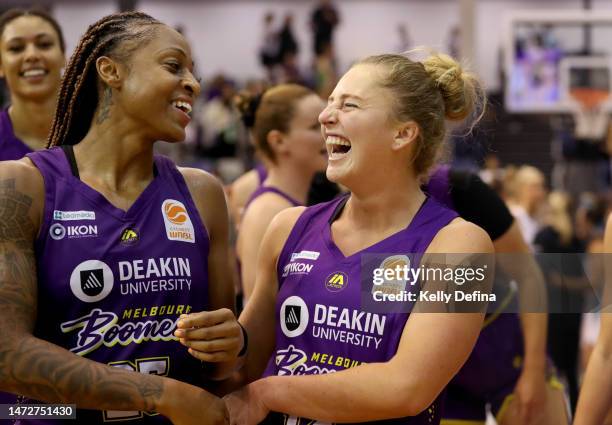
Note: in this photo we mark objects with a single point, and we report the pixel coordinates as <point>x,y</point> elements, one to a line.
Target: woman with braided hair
<point>104,247</point>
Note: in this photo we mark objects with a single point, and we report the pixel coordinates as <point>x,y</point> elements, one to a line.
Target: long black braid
<point>78,97</point>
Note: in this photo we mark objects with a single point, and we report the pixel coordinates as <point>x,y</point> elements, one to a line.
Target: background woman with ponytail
<point>103,247</point>
<point>285,128</point>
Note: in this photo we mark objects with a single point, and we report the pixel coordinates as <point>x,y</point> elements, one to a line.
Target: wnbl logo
<point>177,222</point>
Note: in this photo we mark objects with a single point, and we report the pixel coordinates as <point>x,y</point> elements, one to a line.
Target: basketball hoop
<point>591,117</point>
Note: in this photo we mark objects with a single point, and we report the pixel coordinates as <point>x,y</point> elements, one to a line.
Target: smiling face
<point>305,146</point>
<point>357,125</point>
<point>31,58</point>
<point>159,88</point>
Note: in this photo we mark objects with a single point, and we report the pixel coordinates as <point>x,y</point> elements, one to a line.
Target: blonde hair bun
<point>458,88</point>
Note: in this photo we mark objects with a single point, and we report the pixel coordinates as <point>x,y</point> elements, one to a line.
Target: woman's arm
<point>254,223</point>
<point>432,348</point>
<point>38,369</point>
<point>258,317</point>
<point>596,394</point>
<point>214,335</point>
<point>518,262</point>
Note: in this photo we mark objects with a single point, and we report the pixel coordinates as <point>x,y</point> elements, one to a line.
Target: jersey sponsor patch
<point>305,255</point>
<point>297,268</point>
<point>129,236</point>
<point>73,215</point>
<point>387,277</point>
<point>177,221</point>
<point>58,231</point>
<point>336,282</point>
<point>294,316</point>
<point>91,281</point>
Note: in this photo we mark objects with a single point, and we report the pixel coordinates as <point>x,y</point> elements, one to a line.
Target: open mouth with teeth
<point>38,72</point>
<point>182,106</point>
<point>337,147</point>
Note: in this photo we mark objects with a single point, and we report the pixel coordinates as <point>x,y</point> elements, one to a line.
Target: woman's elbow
<point>412,399</point>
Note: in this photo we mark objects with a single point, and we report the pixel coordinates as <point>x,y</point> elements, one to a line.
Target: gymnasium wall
<point>225,34</point>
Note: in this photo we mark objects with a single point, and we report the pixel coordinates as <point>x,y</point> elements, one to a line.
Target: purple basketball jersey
<point>270,189</point>
<point>438,186</point>
<point>262,173</point>
<point>10,146</point>
<point>111,283</point>
<point>322,327</point>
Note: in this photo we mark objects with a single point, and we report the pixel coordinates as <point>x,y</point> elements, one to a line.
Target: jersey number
<point>292,420</point>
<point>152,365</point>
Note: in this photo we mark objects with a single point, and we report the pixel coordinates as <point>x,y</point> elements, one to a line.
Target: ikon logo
<point>58,231</point>
<point>176,213</point>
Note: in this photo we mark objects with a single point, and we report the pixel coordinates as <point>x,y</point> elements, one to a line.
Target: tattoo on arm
<point>105,104</point>
<point>39,369</point>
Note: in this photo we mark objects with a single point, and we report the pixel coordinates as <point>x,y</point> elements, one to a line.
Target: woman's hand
<point>211,336</point>
<point>245,405</point>
<point>185,404</point>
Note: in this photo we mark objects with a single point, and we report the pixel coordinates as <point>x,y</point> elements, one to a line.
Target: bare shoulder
<point>22,192</point>
<point>202,185</point>
<point>280,227</point>
<point>265,207</point>
<point>245,184</point>
<point>23,170</point>
<point>208,195</point>
<point>461,236</point>
<point>287,218</point>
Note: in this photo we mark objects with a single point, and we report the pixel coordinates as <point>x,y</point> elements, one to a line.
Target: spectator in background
<point>269,47</point>
<point>323,22</point>
<point>219,120</point>
<point>454,42</point>
<point>288,51</point>
<point>590,220</point>
<point>527,195</point>
<point>566,285</point>
<point>404,42</point>
<point>325,73</point>
<point>492,173</point>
